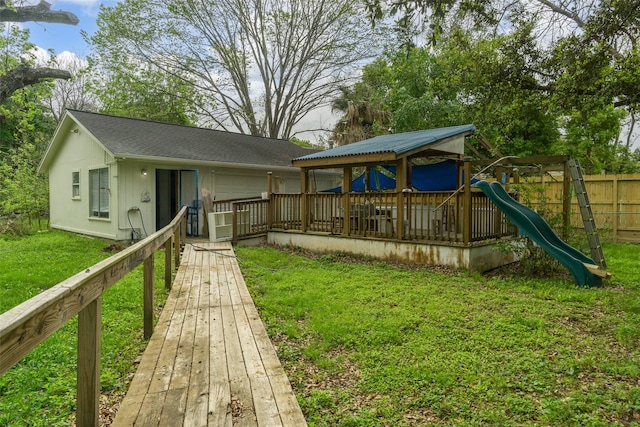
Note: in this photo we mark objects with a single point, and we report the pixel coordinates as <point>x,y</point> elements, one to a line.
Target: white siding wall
<point>130,189</point>
<point>136,191</point>
<point>80,154</point>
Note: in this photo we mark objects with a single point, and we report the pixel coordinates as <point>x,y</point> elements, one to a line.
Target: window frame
<point>75,185</point>
<point>103,194</point>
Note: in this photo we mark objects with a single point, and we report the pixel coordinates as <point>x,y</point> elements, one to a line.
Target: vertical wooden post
<point>346,206</point>
<point>458,198</point>
<point>148,296</point>
<point>615,208</point>
<point>234,223</point>
<point>499,172</point>
<point>401,183</point>
<point>183,230</point>
<point>167,264</point>
<point>269,203</point>
<point>466,226</point>
<point>88,375</point>
<point>566,201</point>
<point>304,186</point>
<point>176,246</point>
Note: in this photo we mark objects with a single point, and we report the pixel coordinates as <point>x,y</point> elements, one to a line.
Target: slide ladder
<point>587,214</point>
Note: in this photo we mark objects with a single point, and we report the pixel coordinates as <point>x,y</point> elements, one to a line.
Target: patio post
<point>466,225</point>
<point>346,206</point>
<point>401,183</point>
<point>269,204</point>
<point>304,185</point>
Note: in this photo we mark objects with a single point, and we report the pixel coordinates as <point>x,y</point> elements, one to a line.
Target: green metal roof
<point>395,143</point>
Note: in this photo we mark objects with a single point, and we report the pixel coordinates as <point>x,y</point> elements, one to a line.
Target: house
<point>122,179</point>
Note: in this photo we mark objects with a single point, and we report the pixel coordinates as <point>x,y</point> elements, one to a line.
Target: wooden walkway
<point>209,361</point>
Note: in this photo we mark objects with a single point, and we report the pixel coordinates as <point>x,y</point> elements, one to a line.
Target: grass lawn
<point>40,390</point>
<point>369,344</point>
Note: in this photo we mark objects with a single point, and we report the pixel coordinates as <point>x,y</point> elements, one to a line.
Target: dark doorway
<point>166,196</point>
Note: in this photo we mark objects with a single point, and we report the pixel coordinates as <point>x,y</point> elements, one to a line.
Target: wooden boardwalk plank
<point>210,361</point>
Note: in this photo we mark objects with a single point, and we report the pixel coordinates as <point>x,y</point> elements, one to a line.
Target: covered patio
<point>421,217</point>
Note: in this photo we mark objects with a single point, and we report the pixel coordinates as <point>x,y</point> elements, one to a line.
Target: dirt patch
<point>113,248</point>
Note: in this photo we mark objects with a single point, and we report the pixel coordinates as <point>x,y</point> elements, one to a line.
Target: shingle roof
<point>142,138</point>
<point>395,143</point>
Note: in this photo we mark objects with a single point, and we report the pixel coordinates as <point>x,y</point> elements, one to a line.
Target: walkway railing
<point>26,326</point>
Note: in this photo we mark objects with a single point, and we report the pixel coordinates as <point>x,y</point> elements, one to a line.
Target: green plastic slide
<point>537,229</point>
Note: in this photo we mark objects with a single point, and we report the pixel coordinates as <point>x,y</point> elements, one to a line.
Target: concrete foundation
<point>480,257</point>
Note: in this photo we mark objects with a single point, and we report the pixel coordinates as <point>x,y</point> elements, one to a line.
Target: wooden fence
<point>614,199</point>
<point>27,325</point>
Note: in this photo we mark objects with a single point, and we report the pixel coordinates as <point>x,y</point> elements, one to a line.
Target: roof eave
<point>207,163</point>
<point>355,159</point>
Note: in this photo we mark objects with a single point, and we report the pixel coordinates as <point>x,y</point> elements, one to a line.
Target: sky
<point>61,37</point>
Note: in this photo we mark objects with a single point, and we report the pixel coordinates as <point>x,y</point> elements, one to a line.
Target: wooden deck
<point>209,361</point>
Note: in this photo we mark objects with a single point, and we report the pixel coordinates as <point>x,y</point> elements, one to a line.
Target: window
<point>75,185</point>
<point>99,193</point>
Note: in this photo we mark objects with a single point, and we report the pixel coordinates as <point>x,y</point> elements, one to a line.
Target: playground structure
<point>400,215</point>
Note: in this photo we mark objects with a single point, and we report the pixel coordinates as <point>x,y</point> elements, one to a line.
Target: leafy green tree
<point>22,115</point>
<point>580,56</point>
<point>142,91</point>
<point>22,190</point>
<point>362,117</point>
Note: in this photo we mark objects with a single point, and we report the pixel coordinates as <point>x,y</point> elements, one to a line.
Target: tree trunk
<point>24,75</point>
<point>39,13</point>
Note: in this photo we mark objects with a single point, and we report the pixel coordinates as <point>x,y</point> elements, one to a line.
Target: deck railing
<point>27,325</point>
<point>419,216</point>
<point>250,218</point>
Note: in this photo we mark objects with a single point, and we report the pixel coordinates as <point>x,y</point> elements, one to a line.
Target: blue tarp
<point>379,182</point>
<point>442,176</point>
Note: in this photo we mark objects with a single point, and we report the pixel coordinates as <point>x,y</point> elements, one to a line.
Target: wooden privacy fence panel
<point>615,201</point>
<point>27,325</point>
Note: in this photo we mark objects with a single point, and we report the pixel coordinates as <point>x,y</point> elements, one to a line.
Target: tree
<point>260,65</point>
<point>573,59</point>
<point>362,118</point>
<point>22,189</point>
<point>23,74</point>
<point>21,115</point>
<point>72,93</point>
<point>143,91</point>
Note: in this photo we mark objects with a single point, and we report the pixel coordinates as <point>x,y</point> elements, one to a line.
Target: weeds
<point>384,345</point>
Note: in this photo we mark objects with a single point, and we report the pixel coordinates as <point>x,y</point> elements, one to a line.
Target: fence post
<point>88,375</point>
<point>566,200</point>
<point>148,296</point>
<point>167,263</point>
<point>466,225</point>
<point>615,208</point>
